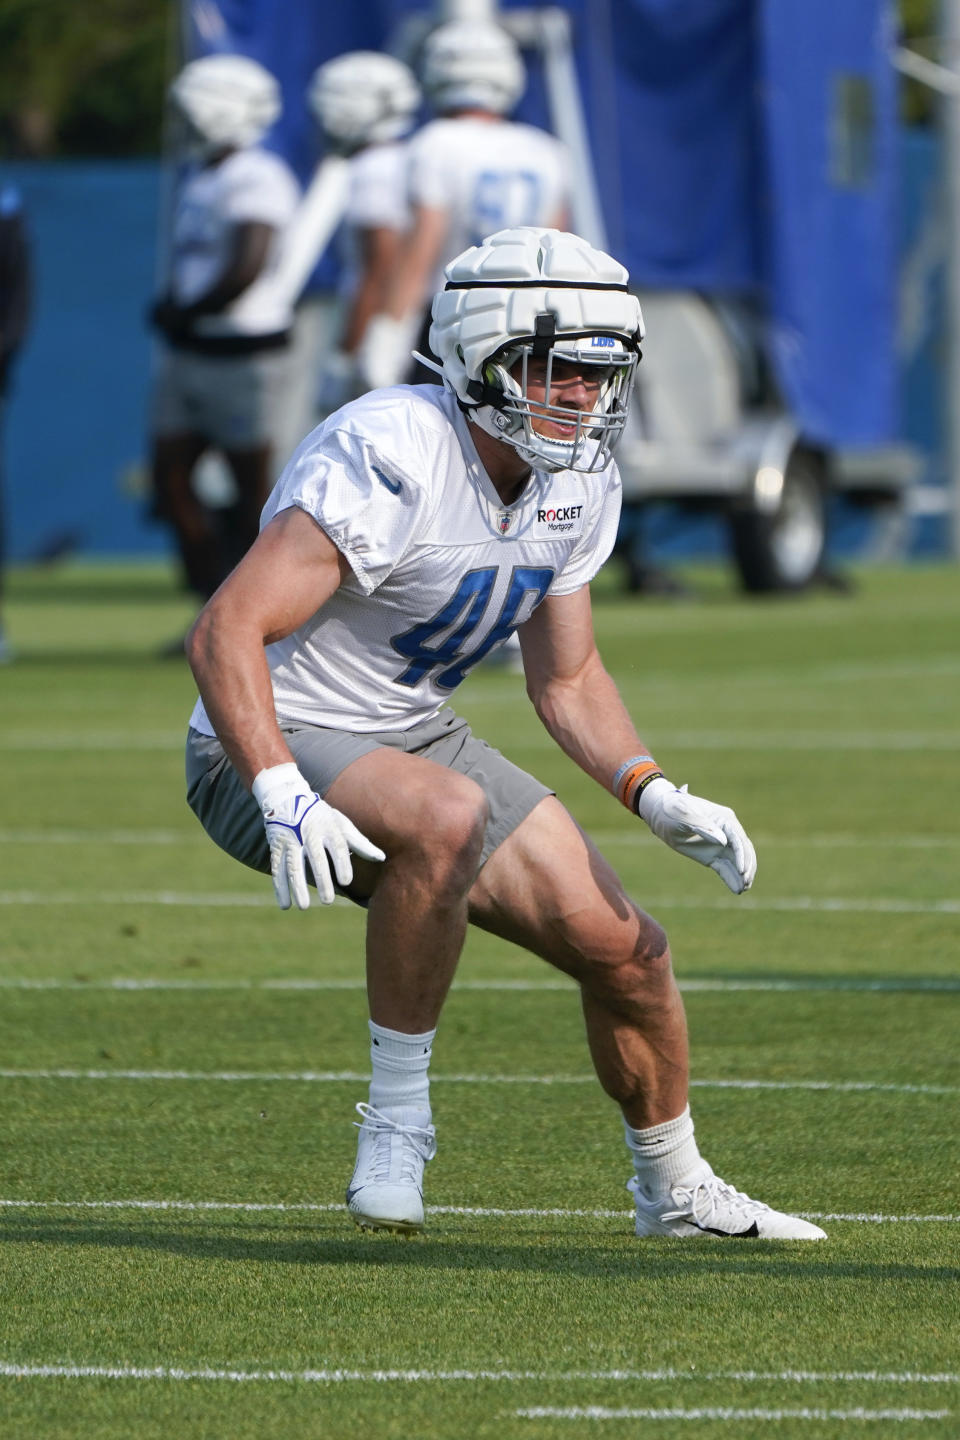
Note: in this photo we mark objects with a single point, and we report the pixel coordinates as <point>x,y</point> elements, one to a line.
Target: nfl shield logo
<point>504,520</point>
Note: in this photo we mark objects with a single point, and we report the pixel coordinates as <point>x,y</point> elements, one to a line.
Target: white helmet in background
<point>530,294</point>
<point>226,101</point>
<point>469,64</point>
<point>363,98</point>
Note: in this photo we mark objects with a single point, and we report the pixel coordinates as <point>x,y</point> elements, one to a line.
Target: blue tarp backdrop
<point>741,145</point>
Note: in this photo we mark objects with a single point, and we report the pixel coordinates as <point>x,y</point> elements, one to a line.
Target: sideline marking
<point>333,1077</point>
<point>480,1211</point>
<point>551,1377</point>
<point>258,900</point>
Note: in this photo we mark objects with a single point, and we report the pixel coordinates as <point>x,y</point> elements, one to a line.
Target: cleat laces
<point>709,1201</point>
<point>399,1152</point>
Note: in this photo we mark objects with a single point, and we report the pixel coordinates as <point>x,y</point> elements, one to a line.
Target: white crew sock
<point>399,1066</point>
<point>663,1155</point>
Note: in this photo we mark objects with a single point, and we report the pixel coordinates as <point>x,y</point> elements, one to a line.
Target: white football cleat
<point>386,1191</point>
<point>703,1204</point>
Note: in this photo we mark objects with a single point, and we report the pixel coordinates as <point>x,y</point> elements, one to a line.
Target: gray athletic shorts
<point>231,816</point>
<point>232,400</point>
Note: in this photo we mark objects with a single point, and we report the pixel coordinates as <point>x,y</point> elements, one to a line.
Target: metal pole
<point>950,123</point>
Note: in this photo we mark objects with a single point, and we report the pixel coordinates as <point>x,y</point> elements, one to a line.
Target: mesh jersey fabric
<point>488,176</point>
<point>440,569</point>
<point>248,186</point>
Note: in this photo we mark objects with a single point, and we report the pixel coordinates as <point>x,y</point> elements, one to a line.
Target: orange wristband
<point>633,777</point>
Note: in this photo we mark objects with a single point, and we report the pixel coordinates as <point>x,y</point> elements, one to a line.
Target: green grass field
<point>180,1062</point>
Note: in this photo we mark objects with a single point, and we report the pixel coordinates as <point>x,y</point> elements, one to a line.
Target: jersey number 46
<point>464,611</point>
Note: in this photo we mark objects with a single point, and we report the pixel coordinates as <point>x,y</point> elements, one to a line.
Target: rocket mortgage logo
<point>562,519</point>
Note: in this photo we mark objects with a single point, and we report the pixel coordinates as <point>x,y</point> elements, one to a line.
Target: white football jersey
<point>250,185</point>
<point>376,200</point>
<point>441,569</point>
<point>489,175</point>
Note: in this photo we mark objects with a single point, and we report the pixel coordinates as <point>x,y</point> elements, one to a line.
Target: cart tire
<point>783,549</point>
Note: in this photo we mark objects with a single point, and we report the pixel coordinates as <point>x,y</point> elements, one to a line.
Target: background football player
<point>364,103</point>
<point>225,326</point>
<point>472,171</point>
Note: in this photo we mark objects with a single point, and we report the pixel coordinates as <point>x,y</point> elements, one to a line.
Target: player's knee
<point>638,976</point>
<point>652,950</point>
<point>451,829</point>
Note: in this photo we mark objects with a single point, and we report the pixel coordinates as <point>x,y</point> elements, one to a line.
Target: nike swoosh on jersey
<point>392,485</point>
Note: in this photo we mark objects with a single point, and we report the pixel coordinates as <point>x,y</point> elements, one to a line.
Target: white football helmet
<point>225,101</point>
<point>530,294</point>
<point>472,64</point>
<point>363,98</point>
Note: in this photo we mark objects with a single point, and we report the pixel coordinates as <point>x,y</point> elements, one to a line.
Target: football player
<point>364,103</point>
<point>472,171</point>
<point>225,326</point>
<point>407,536</point>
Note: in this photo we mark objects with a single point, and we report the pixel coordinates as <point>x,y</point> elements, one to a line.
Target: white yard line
<point>638,835</point>
<point>812,739</point>
<point>132,985</point>
<point>128,984</point>
<point>339,1376</point>
<point>336,1077</point>
<point>719,1412</point>
<point>101,837</point>
<point>798,904</point>
<point>256,1207</point>
<point>800,677</point>
<point>196,899</point>
<point>107,740</point>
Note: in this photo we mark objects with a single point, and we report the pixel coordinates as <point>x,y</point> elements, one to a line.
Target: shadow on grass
<point>627,1260</point>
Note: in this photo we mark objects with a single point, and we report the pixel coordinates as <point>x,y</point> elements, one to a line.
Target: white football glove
<point>706,832</point>
<point>300,827</point>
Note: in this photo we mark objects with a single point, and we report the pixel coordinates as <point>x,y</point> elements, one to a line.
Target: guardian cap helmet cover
<point>527,295</point>
<point>363,98</point>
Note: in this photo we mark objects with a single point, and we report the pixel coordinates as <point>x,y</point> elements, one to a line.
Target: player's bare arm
<point>581,707</point>
<point>380,248</point>
<point>248,254</point>
<point>573,694</point>
<point>289,572</point>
